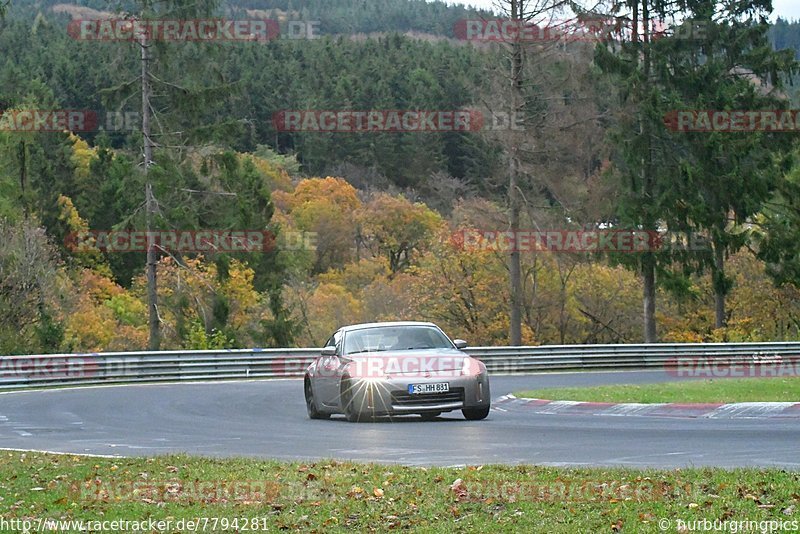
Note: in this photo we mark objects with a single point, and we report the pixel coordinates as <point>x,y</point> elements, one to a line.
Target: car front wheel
<point>311,405</point>
<point>349,406</point>
<point>475,414</point>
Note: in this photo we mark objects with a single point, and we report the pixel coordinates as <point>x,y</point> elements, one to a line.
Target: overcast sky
<point>788,9</point>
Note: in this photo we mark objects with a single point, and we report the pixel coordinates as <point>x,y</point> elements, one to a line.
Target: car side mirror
<point>329,351</point>
<point>460,344</point>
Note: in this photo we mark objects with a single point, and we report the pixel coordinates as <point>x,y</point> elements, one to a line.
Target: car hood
<point>422,363</point>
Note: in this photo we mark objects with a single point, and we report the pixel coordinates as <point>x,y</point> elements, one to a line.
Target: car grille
<point>403,398</point>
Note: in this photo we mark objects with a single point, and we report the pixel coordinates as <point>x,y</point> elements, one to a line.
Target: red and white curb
<point>739,410</point>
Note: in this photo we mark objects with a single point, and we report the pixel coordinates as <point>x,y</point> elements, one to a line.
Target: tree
<point>398,229</point>
<point>99,315</point>
<point>694,182</point>
<point>184,100</point>
<point>323,208</point>
<point>28,282</point>
<point>551,145</point>
<point>465,291</point>
<point>726,178</point>
<point>773,234</point>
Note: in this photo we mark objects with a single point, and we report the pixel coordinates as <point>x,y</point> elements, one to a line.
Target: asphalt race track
<point>267,419</point>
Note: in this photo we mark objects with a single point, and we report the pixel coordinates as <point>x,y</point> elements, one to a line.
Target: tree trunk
<point>515,267</point>
<point>648,259</point>
<point>649,299</point>
<point>23,177</point>
<point>152,254</point>
<point>720,286</point>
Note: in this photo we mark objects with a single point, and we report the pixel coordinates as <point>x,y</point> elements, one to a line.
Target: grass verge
<point>336,496</point>
<point>722,390</point>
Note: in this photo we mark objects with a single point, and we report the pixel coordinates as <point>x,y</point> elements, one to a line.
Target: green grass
<point>335,496</point>
<point>697,391</point>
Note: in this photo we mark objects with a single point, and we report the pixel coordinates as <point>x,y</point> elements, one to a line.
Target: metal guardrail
<point>174,366</point>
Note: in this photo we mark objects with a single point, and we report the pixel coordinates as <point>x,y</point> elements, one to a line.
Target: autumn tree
<point>28,281</point>
<point>544,105</point>
<point>464,290</point>
<point>398,229</point>
<point>193,296</point>
<point>324,208</point>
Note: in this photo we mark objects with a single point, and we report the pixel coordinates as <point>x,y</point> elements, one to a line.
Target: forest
<point>366,225</point>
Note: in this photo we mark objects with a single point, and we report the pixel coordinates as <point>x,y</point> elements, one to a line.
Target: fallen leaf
<point>459,488</point>
<point>356,491</point>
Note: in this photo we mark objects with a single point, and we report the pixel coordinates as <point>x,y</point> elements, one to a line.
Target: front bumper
<point>390,396</point>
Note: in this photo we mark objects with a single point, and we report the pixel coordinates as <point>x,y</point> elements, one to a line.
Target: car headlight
<point>472,367</point>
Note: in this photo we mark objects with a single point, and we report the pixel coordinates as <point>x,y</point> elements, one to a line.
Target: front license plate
<point>421,389</point>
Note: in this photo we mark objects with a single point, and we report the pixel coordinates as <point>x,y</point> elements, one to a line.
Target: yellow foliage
<point>357,275</point>
<point>277,177</point>
<point>758,311</point>
<point>68,213</point>
<point>399,228</point>
<point>92,325</point>
<point>465,292</point>
<point>82,155</point>
<point>87,255</point>
<point>336,191</point>
<point>326,308</point>
<point>188,291</point>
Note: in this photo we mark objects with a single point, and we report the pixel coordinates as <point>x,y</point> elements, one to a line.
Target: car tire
<point>351,413</point>
<point>430,416</point>
<point>311,405</point>
<point>475,414</point>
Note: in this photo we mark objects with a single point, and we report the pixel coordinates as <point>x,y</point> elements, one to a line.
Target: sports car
<point>397,368</point>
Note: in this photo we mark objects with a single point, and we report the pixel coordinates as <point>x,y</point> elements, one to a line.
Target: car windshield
<point>385,338</point>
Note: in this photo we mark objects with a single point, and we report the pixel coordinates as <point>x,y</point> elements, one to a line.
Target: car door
<point>328,373</point>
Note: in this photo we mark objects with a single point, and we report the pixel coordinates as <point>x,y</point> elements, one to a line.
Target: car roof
<point>388,323</point>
